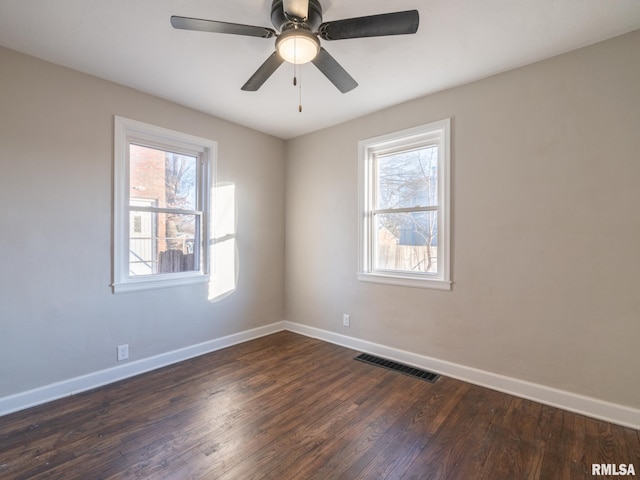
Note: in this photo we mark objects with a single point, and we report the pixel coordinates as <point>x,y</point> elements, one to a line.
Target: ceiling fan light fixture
<point>297,46</point>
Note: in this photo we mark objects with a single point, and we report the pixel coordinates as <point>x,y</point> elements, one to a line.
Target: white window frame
<point>435,133</point>
<point>126,132</point>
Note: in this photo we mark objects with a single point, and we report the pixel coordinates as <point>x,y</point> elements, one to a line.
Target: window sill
<point>405,281</point>
<point>139,284</point>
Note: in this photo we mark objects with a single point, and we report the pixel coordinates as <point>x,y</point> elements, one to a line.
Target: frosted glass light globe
<point>297,46</point>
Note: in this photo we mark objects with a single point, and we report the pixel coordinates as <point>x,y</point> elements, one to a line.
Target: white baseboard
<point>591,407</point>
<point>588,406</point>
<point>31,398</point>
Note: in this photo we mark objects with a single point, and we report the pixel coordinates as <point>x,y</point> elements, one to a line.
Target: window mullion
<point>432,208</point>
<point>134,208</point>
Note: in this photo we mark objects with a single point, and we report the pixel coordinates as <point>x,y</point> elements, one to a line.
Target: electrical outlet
<point>346,320</point>
<point>123,352</point>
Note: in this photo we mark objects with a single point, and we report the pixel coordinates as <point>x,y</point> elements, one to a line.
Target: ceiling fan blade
<point>186,23</point>
<point>263,73</point>
<point>334,71</point>
<point>298,9</point>
<point>397,23</point>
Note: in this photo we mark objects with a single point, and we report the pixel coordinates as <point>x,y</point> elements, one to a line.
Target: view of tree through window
<point>405,216</point>
<point>164,222</point>
<point>405,211</point>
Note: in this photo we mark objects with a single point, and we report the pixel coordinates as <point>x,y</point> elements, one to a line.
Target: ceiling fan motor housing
<point>281,22</point>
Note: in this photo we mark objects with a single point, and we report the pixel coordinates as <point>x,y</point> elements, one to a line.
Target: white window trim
<point>126,131</point>
<point>437,132</point>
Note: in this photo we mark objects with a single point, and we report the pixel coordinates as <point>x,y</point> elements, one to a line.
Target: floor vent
<point>398,367</point>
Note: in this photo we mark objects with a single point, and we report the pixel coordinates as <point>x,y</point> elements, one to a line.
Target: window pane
<point>406,241</point>
<point>162,242</point>
<point>408,179</point>
<point>166,178</point>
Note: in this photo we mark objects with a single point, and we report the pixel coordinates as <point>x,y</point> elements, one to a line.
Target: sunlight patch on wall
<point>223,244</point>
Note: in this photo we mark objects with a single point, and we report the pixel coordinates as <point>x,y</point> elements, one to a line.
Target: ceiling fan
<point>299,23</point>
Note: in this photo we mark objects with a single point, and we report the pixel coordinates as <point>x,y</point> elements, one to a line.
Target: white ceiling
<point>132,43</point>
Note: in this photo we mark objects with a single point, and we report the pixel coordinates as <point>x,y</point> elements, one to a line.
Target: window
<point>161,206</point>
<point>404,205</point>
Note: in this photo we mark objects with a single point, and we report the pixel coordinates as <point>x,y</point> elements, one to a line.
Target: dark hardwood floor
<point>290,407</point>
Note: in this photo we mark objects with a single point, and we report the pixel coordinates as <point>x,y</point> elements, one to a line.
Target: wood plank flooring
<point>290,407</point>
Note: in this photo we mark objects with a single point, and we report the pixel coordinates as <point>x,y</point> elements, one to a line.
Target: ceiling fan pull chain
<point>295,80</point>
<point>295,76</point>
<point>300,86</point>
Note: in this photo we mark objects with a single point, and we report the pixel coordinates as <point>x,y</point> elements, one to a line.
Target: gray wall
<point>545,225</point>
<point>58,317</point>
<point>545,228</point>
